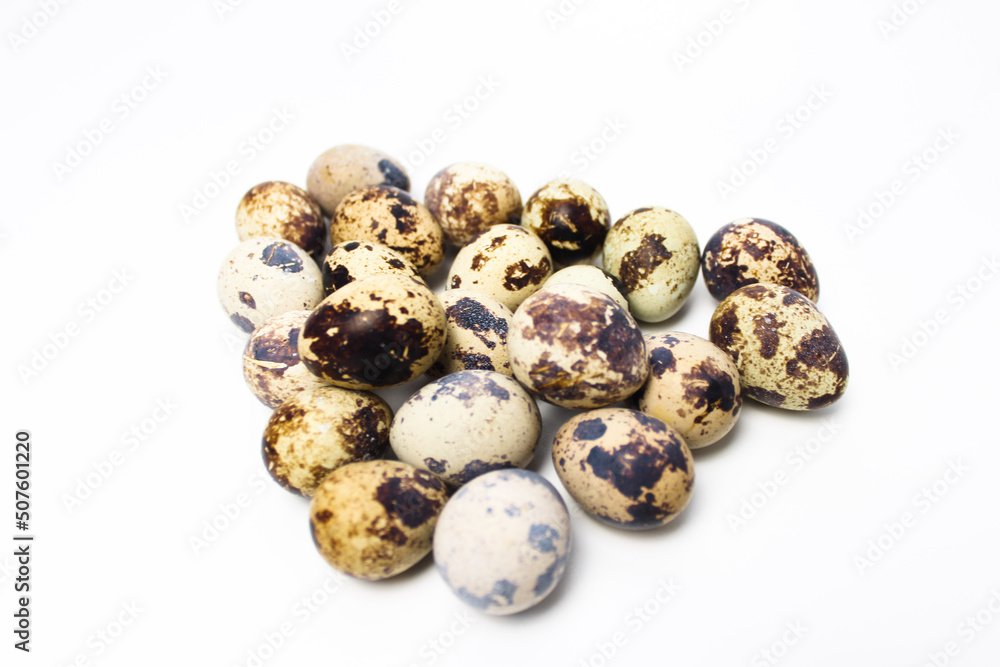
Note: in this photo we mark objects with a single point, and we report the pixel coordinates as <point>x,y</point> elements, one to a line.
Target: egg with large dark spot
<point>315,432</point>
<point>506,262</point>
<point>654,253</point>
<point>477,334</point>
<point>375,519</point>
<point>503,541</point>
<point>693,386</point>
<point>576,347</point>
<point>387,215</point>
<point>280,209</point>
<point>342,169</point>
<point>753,250</point>
<point>626,468</point>
<point>469,197</point>
<point>787,353</point>
<point>271,365</point>
<point>354,260</point>
<point>377,332</point>
<point>571,217</point>
<point>467,424</point>
<point>267,276</point>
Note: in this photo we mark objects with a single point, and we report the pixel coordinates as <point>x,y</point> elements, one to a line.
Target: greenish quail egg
<point>693,386</point>
<point>349,167</point>
<point>593,277</point>
<point>263,277</point>
<point>315,432</point>
<point>380,331</point>
<point>654,253</point>
<point>354,260</point>
<point>753,250</point>
<point>571,217</point>
<point>469,197</point>
<point>506,262</point>
<point>576,347</point>
<point>283,210</point>
<point>477,334</point>
<point>626,468</point>
<point>786,351</point>
<point>502,541</point>
<point>271,365</point>
<point>375,519</point>
<point>467,424</point>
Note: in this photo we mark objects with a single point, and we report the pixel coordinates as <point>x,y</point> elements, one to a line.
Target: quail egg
<point>469,197</point>
<point>283,210</point>
<point>271,365</point>
<point>354,260</point>
<point>477,334</point>
<point>593,277</point>
<point>344,168</point>
<point>571,217</point>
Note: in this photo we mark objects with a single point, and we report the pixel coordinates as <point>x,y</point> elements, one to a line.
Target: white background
<point>673,131</point>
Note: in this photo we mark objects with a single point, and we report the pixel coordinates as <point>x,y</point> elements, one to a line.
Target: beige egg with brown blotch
<point>507,262</point>
<point>477,334</point>
<point>271,365</point>
<point>354,260</point>
<point>571,217</point>
<point>469,197</point>
<point>341,169</point>
<point>280,209</point>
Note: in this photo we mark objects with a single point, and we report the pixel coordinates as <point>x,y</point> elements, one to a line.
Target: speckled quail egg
<point>375,519</point>
<point>283,210</point>
<point>506,262</point>
<point>624,467</point>
<point>469,197</point>
<point>593,277</point>
<point>576,347</point>
<point>344,168</point>
<point>387,215</point>
<point>315,432</point>
<point>753,250</point>
<point>271,364</point>
<point>354,260</point>
<point>477,334</point>
<point>263,277</point>
<point>693,386</point>
<point>502,541</point>
<point>571,217</point>
<point>466,424</point>
<point>654,252</point>
<point>786,351</point>
<point>380,331</point>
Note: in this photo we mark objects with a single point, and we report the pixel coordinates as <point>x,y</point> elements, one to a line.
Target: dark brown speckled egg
<point>271,365</point>
<point>477,334</point>
<point>276,208</point>
<point>354,260</point>
<point>571,217</point>
<point>469,197</point>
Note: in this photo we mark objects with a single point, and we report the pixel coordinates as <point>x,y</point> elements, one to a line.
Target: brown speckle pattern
<point>283,210</point>
<point>271,365</point>
<point>354,260</point>
<point>349,167</point>
<point>506,262</point>
<point>571,217</point>
<point>468,197</point>
<point>477,334</point>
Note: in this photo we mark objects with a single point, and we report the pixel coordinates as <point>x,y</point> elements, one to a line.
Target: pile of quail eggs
<point>525,315</point>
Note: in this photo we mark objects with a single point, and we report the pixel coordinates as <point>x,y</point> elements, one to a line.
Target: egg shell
<point>477,326</point>
<point>315,432</point>
<point>341,169</point>
<point>381,331</point>
<point>655,254</point>
<point>283,210</point>
<point>576,347</point>
<point>271,365</point>
<point>571,217</point>
<point>593,277</point>
<point>375,519</point>
<point>354,260</point>
<point>626,468</point>
<point>502,541</point>
<point>467,424</point>
<point>468,197</point>
<point>786,351</point>
<point>693,386</point>
<point>506,262</point>
<point>263,277</point>
<point>387,215</point>
<point>753,250</point>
